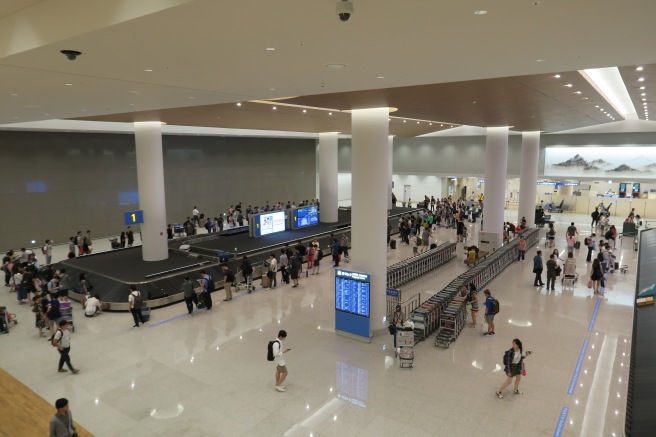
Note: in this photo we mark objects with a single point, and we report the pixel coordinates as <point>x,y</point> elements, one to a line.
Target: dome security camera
<point>344,10</point>
<point>71,54</point>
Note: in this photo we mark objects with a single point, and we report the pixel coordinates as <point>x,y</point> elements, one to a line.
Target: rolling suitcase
<point>577,245</point>
<point>145,312</point>
<point>393,244</point>
<point>266,281</point>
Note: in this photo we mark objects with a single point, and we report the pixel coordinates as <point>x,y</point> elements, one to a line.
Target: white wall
<point>421,185</point>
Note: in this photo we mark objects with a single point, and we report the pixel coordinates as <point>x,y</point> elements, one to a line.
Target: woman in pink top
<point>571,239</point>
<point>521,248</point>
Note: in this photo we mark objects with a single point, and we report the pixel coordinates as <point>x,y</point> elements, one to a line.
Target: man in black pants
<point>537,269</point>
<point>62,341</point>
<point>135,302</point>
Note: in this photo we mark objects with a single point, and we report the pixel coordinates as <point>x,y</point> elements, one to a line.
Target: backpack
<point>296,264</point>
<point>600,256</point>
<point>248,269</point>
<point>52,340</point>
<point>552,232</point>
<point>270,356</point>
<point>138,301</point>
<point>320,254</point>
<point>44,249</point>
<point>210,284</point>
<point>418,241</point>
<point>495,306</point>
<point>586,241</point>
<point>608,235</point>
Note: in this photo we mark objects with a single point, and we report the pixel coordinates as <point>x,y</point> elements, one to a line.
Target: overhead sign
<point>134,218</point>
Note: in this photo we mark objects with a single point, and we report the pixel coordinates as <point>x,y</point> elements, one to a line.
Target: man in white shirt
<point>92,306</point>
<point>135,302</point>
<point>273,269</point>
<point>195,214</point>
<point>281,368</point>
<point>47,251</point>
<point>62,341</point>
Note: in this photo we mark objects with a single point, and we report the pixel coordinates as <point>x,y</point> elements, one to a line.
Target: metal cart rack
<point>410,269</point>
<point>452,321</point>
<point>405,341</point>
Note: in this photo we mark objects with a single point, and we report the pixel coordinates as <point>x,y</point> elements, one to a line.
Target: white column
<point>150,176</point>
<point>496,163</point>
<point>328,177</point>
<point>528,176</point>
<point>390,160</point>
<point>369,158</point>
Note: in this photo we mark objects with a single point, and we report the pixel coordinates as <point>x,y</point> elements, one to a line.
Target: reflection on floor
<point>206,374</point>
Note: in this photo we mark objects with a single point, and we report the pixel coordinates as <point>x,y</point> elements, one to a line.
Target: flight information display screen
<point>269,223</point>
<point>352,292</point>
<point>305,216</point>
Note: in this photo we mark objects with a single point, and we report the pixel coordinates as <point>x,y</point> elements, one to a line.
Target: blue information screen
<point>352,292</point>
<point>133,218</point>
<point>306,216</point>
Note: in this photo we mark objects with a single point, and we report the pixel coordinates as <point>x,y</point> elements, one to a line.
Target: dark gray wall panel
<point>54,184</point>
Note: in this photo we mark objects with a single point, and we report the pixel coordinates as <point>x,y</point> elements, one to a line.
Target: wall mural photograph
<point>601,162</point>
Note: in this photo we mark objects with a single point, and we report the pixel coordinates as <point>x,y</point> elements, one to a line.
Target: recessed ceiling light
<point>596,106</point>
<point>557,76</point>
<point>601,109</point>
<point>585,98</point>
<point>148,70</point>
<point>639,68</point>
<point>131,104</point>
<point>417,122</point>
<point>381,77</point>
<point>238,103</point>
<point>270,49</point>
<point>540,60</point>
<point>642,79</point>
<point>430,124</point>
<point>272,89</point>
<point>480,12</point>
<point>644,100</point>
<point>69,84</point>
<point>192,97</point>
<point>569,85</point>
<point>330,113</point>
<point>642,87</point>
<point>304,111</point>
<point>643,94</point>
<point>13,95</point>
<point>274,108</point>
<point>577,92</point>
<point>404,121</point>
<point>441,125</point>
<point>335,65</point>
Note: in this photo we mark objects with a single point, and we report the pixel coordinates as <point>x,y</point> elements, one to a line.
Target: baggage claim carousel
<point>111,273</point>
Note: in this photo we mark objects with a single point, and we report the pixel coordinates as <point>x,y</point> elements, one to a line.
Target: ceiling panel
<point>8,7</point>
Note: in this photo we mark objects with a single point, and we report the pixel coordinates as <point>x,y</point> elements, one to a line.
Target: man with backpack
<point>491,309</point>
<point>207,284</point>
<point>247,272</point>
<point>62,341</point>
<point>135,302</point>
<point>275,353</point>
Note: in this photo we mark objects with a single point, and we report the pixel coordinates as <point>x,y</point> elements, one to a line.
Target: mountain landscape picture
<point>603,162</point>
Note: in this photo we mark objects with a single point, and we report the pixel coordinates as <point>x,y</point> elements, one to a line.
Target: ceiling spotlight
<point>642,87</point>
<point>639,68</point>
<point>644,100</point>
<point>540,60</point>
<point>304,111</point>
<point>569,85</point>
<point>417,122</point>
<point>642,94</point>
<point>270,49</point>
<point>557,76</point>
<point>577,92</point>
<point>481,12</point>
<point>70,84</point>
<point>596,106</point>
<point>642,79</point>
<point>381,77</point>
<point>274,108</point>
<point>238,103</point>
<point>70,54</point>
<point>330,113</point>
<point>148,70</point>
<point>404,121</point>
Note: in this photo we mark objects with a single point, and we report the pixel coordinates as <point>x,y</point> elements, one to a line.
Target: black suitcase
<point>577,245</point>
<point>392,244</point>
<point>145,312</point>
<point>200,304</point>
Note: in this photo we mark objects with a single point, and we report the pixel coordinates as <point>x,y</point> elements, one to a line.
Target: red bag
<point>590,283</point>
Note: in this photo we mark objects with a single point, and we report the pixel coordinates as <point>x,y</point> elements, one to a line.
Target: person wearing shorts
<point>489,314</point>
<point>281,367</point>
<point>513,362</point>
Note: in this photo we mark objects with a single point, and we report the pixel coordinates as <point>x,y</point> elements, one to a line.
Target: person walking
<point>489,312</point>
<point>596,275</point>
<point>595,217</point>
<point>284,266</point>
<point>61,424</point>
<point>135,303</point>
<point>189,294</point>
<point>513,362</point>
<point>397,319</point>
<point>344,247</point>
<point>552,267</point>
<point>207,284</point>
<point>472,303</point>
<point>62,341</point>
<point>228,279</point>
<point>591,245</point>
<point>281,365</point>
<point>537,269</point>
<point>521,248</point>
<point>571,241</point>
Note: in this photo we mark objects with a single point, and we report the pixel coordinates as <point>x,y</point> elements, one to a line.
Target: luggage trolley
<point>405,342</point>
<point>569,281</point>
<point>6,318</point>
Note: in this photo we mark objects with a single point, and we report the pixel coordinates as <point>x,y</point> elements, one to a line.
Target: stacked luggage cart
<point>405,342</point>
<point>452,309</point>
<point>410,269</point>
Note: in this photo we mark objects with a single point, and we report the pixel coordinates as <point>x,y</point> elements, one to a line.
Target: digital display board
<point>133,218</point>
<point>306,216</point>
<point>268,223</point>
<point>352,292</point>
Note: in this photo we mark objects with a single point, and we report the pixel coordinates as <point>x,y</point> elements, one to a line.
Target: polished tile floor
<point>206,374</point>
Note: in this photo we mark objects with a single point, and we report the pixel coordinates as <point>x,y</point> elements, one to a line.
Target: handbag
<point>392,329</point>
<point>590,283</point>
